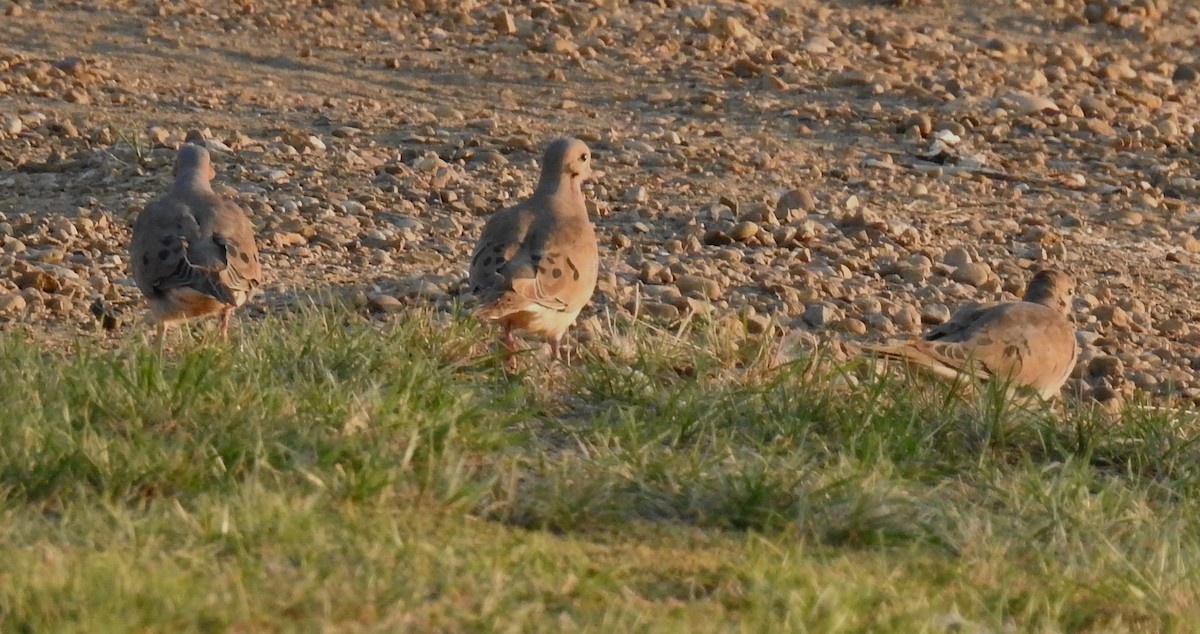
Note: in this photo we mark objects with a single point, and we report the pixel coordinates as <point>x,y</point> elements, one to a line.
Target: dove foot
<point>507,339</point>
<point>559,352</point>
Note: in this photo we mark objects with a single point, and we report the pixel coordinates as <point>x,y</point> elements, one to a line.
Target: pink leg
<point>558,352</point>
<point>225,314</point>
<point>160,328</point>
<point>507,338</point>
<point>510,359</point>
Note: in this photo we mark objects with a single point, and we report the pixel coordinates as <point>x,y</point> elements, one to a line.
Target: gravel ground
<point>852,169</point>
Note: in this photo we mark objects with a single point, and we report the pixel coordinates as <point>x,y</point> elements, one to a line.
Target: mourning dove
<point>536,263</point>
<point>192,253</point>
<point>1029,344</point>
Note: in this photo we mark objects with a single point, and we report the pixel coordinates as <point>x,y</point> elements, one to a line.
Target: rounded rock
<point>743,231</point>
<point>697,286</point>
<point>973,274</point>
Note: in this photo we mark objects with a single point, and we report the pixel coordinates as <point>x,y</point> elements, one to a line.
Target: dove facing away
<point>1029,344</point>
<point>536,263</point>
<point>193,254</point>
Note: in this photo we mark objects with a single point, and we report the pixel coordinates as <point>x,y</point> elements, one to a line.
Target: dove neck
<point>564,185</point>
<point>1046,297</point>
<point>191,182</point>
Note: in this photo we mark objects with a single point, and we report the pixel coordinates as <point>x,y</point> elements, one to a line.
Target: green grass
<point>328,473</point>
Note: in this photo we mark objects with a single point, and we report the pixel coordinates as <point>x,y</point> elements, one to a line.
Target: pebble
<point>907,318</point>
<point>556,44</point>
<point>1184,73</point>
<point>489,157</point>
<point>504,23</point>
<point>1025,104</point>
<point>286,239</point>
<point>40,280</point>
<point>743,231</point>
<point>916,272</point>
<point>934,314</point>
<point>853,326</point>
<point>384,303</point>
<point>638,194</point>
<point>757,323</point>
<point>821,314</point>
<point>796,200</point>
<point>957,257</point>
<point>653,272</point>
<point>1106,367</point>
<point>660,311</point>
<point>1113,316</point>
<point>699,287</point>
<point>11,303</point>
<point>974,273</point>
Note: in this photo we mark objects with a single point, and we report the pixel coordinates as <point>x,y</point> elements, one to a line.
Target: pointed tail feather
<point>502,306</point>
<point>531,289</point>
<point>213,285</point>
<point>923,354</point>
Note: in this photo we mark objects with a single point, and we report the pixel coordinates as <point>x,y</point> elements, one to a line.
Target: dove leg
<point>507,338</point>
<point>160,338</point>
<point>558,352</point>
<point>225,314</point>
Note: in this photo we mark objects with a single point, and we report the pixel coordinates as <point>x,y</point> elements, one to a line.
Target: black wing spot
<point>498,248</point>
<point>550,258</point>
<point>145,259</point>
<point>167,240</point>
<point>487,261</point>
<point>557,273</point>
<point>231,250</point>
<point>164,254</point>
<point>574,270</point>
<point>541,270</point>
<point>245,258</point>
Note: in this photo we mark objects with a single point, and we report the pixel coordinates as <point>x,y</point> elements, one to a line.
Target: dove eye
<point>583,158</point>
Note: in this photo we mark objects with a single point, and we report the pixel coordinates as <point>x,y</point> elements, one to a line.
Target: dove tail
<point>497,308</point>
<point>209,282</point>
<point>214,286</point>
<point>487,312</point>
<point>507,304</point>
<point>914,353</point>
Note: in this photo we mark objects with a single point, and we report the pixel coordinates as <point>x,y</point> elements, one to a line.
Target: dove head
<point>1051,288</point>
<point>193,166</point>
<point>566,164</point>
